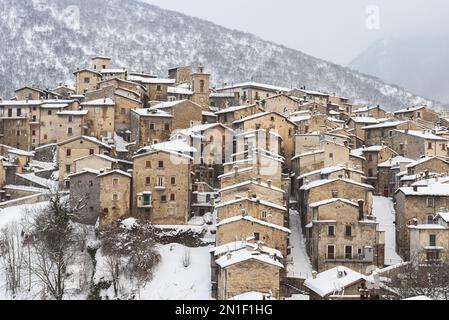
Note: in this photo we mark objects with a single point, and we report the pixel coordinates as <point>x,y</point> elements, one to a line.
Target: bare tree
<point>186,258</point>
<point>132,249</point>
<point>54,243</point>
<point>12,253</point>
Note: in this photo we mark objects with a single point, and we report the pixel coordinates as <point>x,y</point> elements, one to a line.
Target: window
<point>167,127</point>
<point>18,133</point>
<point>115,197</point>
<point>430,202</point>
<point>160,181</point>
<point>163,198</point>
<point>390,133</point>
<point>151,126</point>
<point>348,231</point>
<point>45,137</point>
<point>370,173</point>
<point>33,132</point>
<point>159,87</point>
<point>19,112</point>
<point>334,194</point>
<point>69,152</point>
<point>115,182</point>
<point>429,145</point>
<point>331,155</point>
<point>172,197</point>
<point>256,236</point>
<point>331,231</point>
<point>86,80</point>
<point>33,119</point>
<point>443,147</point>
<point>370,157</point>
<point>418,114</point>
<point>348,252</point>
<point>161,164</point>
<point>146,200</point>
<point>264,214</point>
<point>202,85</point>
<point>173,180</point>
<point>430,219</point>
<point>91,183</point>
<point>68,168</point>
<point>49,112</point>
<point>432,240</point>
<point>331,252</point>
<point>433,255</point>
<point>148,164</point>
<point>70,131</point>
<point>91,151</point>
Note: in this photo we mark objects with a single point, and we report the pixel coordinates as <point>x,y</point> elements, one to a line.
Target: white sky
<point>334,30</point>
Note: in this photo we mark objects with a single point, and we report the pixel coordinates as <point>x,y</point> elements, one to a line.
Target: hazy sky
<point>335,30</point>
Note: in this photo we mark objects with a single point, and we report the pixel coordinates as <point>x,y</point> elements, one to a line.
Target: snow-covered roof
<point>123,173</point>
<point>245,255</point>
<point>428,227</point>
<point>318,183</point>
<point>262,114</point>
<point>54,105</point>
<point>237,245</point>
<point>313,92</point>
<point>438,189</point>
<point>21,152</point>
<point>443,215</point>
<point>395,161</point>
<point>252,220</point>
<point>245,183</point>
<point>87,138</point>
<point>418,298</point>
<point>253,296</point>
<point>328,170</point>
<point>179,90</point>
<point>428,135</point>
<point>173,146</point>
<point>373,149</point>
<point>196,131</point>
<point>329,201</point>
<point>263,202</point>
<point>256,85</point>
<point>364,109</point>
<point>99,102</point>
<point>412,109</point>
<point>72,113</point>
<point>300,118</point>
<point>113,71</point>
<point>329,281</point>
<point>104,157</point>
<point>157,81</point>
<point>307,154</point>
<point>231,173</point>
<point>233,109</point>
<point>83,171</point>
<point>167,104</point>
<point>221,95</point>
<point>20,103</point>
<point>421,161</point>
<point>144,112</point>
<point>364,120</point>
<point>387,124</point>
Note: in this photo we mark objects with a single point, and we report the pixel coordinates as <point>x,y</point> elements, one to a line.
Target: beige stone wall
<point>414,147</point>
<point>157,92</point>
<point>246,277</point>
<point>409,208</point>
<point>86,81</point>
<point>281,104</point>
<point>163,212</point>
<point>54,128</point>
<point>28,94</point>
<point>181,74</point>
<point>142,133</point>
<point>16,133</point>
<point>185,113</point>
<point>100,120</point>
<point>92,162</point>
<point>335,154</point>
<point>243,229</point>
<point>306,142</point>
<point>420,239</point>
<point>253,209</point>
<point>79,148</point>
<point>229,117</point>
<point>115,190</point>
<point>434,165</point>
<point>267,194</point>
<point>310,162</point>
<point>123,107</point>
<point>375,137</point>
<point>272,173</point>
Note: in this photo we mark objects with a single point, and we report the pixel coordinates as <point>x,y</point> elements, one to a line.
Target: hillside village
<point>284,193</point>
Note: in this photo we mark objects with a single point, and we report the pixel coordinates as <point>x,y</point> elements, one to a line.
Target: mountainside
<point>43,41</point>
<point>417,63</point>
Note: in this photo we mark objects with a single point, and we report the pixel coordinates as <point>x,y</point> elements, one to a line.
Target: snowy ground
<point>299,265</point>
<point>15,214</point>
<point>384,212</point>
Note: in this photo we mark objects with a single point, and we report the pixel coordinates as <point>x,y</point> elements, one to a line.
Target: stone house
<point>157,88</point>
<point>246,228</point>
<point>115,196</point>
<point>200,88</point>
<point>387,174</point>
<point>150,126</point>
<point>310,95</point>
<point>375,112</point>
<point>263,190</point>
<point>35,93</point>
<point>181,74</point>
<point>101,162</point>
<point>100,62</point>
<point>339,280</point>
<point>223,100</point>
<point>358,123</point>
<point>250,92</point>
<point>75,148</point>
<point>315,123</point>
<point>280,103</point>
<point>320,190</point>
<point>185,113</point>
<point>415,144</point>
<point>381,133</point>
<point>341,234</point>
<point>203,199</point>
<point>429,243</point>
<point>87,80</point>
<point>100,119</point>
<point>228,115</point>
<point>417,205</point>
<point>273,121</point>
<point>255,207</point>
<point>162,187</point>
<point>418,114</point>
<point>247,270</point>
<point>375,155</point>
<point>85,194</point>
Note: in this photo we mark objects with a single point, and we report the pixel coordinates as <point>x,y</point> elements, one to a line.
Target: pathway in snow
<point>383,210</point>
<point>299,265</point>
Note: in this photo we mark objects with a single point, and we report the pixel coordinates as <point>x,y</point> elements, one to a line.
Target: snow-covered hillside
<point>44,41</point>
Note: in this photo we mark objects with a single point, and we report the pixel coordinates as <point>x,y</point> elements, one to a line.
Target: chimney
<point>415,188</point>
<point>426,174</point>
<point>236,171</point>
<point>314,274</point>
<point>244,214</point>
<point>258,180</point>
<point>361,214</point>
<point>229,255</point>
<point>415,222</point>
<point>270,183</point>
